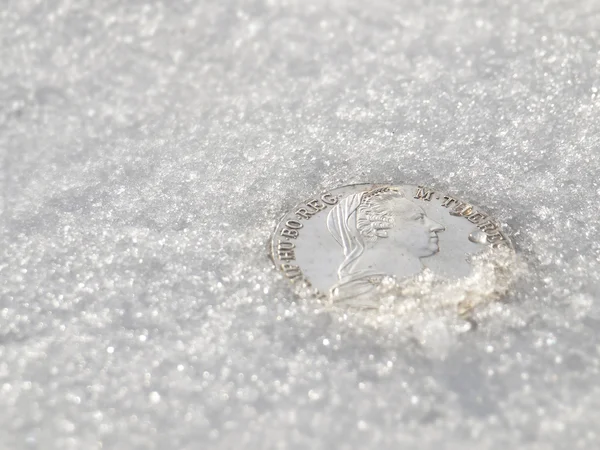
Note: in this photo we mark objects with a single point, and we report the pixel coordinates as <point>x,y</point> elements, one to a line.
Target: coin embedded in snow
<point>365,244</point>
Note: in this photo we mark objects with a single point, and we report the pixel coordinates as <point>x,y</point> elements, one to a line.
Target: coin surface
<point>356,243</point>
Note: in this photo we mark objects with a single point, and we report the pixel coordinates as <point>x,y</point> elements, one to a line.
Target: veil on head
<point>341,223</point>
<point>354,286</point>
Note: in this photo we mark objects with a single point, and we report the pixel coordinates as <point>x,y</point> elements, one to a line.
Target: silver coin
<point>355,244</point>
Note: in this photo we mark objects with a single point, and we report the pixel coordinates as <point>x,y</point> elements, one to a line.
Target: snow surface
<point>147,150</point>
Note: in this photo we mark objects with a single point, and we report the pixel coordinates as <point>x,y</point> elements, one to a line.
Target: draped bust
<point>382,234</point>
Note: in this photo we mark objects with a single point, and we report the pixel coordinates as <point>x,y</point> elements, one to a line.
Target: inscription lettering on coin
<point>346,243</point>
<point>424,193</point>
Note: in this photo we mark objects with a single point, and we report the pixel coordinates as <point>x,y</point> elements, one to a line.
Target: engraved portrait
<point>381,234</point>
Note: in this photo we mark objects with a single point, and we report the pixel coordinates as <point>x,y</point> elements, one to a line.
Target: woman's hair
<point>374,214</point>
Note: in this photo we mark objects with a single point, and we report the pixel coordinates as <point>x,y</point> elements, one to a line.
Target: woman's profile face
<point>413,230</point>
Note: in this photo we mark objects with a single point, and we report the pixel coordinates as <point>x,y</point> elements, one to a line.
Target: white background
<point>147,150</point>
